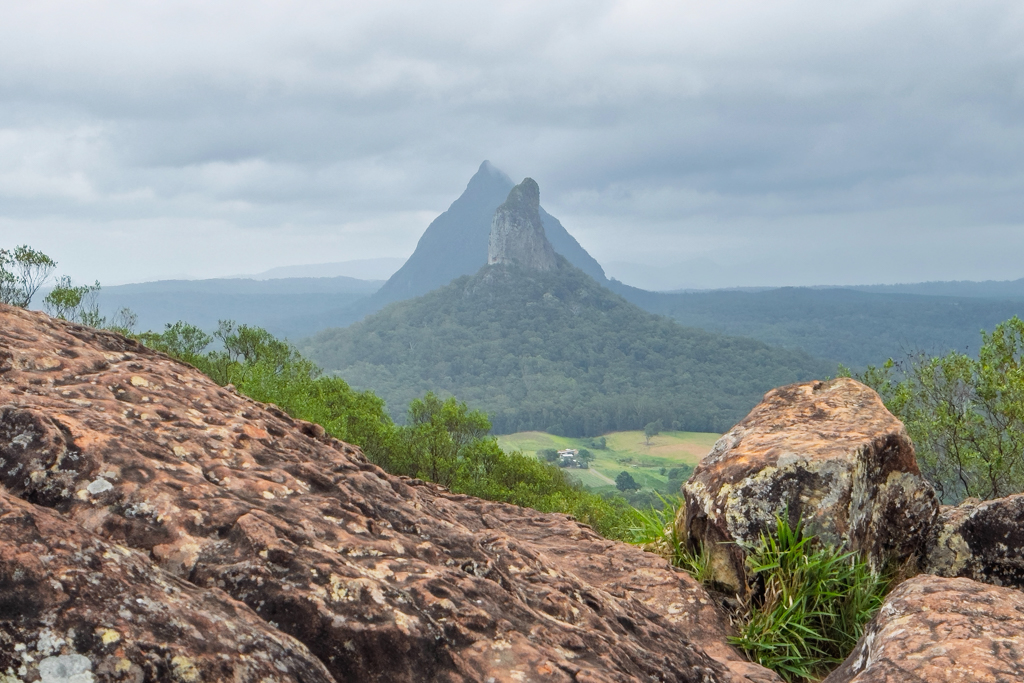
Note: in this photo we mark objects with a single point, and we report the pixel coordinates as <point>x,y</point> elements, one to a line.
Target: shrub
<point>964,415</point>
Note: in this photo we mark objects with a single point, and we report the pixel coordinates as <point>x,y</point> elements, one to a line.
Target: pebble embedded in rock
<point>99,486</point>
<point>66,669</point>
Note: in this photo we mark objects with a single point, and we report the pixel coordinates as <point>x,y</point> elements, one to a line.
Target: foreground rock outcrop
<point>939,630</point>
<point>154,526</point>
<point>825,452</point>
<point>981,540</point>
<point>517,232</point>
<point>65,591</point>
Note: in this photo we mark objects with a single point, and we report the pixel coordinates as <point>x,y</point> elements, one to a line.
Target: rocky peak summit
<point>517,232</point>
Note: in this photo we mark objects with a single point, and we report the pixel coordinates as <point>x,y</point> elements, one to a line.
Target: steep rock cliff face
<point>517,233</point>
<point>156,526</point>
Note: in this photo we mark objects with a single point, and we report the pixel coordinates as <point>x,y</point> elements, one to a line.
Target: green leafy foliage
<point>810,604</point>
<point>813,606</point>
<point>652,429</point>
<point>443,441</point>
<point>964,415</point>
<point>548,454</point>
<point>22,272</point>
<point>74,303</point>
<point>859,328</point>
<point>625,482</point>
<point>555,351</point>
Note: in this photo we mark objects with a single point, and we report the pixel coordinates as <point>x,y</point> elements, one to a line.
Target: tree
<point>180,340</point>
<point>584,455</point>
<point>76,304</point>
<point>651,429</point>
<point>625,482</point>
<point>964,415</point>
<point>548,454</point>
<point>22,272</point>
<point>441,436</point>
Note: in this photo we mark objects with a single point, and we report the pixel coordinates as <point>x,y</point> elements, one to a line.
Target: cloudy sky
<point>710,143</point>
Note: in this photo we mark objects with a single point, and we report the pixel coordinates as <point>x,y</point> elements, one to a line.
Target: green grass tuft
<point>813,607</point>
<point>810,604</point>
<point>655,531</point>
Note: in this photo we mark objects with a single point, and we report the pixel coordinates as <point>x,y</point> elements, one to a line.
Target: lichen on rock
<point>981,540</point>
<point>827,454</point>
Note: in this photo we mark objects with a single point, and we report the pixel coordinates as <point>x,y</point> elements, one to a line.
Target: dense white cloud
<point>788,142</point>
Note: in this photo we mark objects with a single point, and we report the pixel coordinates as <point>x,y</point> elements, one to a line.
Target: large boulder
<point>828,453</point>
<point>983,541</point>
<point>940,630</point>
<point>138,498</point>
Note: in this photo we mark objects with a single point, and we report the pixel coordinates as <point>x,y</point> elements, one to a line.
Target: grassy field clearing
<point>625,451</point>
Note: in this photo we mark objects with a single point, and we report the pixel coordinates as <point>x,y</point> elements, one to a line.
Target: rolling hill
<point>855,327</point>
<point>555,351</point>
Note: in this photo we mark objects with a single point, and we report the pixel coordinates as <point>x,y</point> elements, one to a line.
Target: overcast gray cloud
<point>728,143</point>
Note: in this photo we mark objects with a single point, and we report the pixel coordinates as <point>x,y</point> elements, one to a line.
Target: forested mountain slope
<point>556,351</point>
<point>988,289</point>
<point>857,328</point>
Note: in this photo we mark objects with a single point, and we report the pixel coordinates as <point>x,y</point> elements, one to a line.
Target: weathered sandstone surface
<point>154,526</point>
<point>825,452</point>
<point>65,591</point>
<point>981,540</point>
<point>517,232</point>
<point>939,630</point>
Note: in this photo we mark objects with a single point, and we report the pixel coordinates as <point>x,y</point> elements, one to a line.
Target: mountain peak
<point>456,242</point>
<point>491,169</point>
<point>517,232</point>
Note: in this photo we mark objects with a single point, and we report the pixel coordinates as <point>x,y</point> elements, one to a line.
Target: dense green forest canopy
<point>856,328</point>
<point>556,351</point>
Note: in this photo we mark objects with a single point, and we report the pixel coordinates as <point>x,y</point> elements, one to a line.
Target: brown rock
<point>382,578</point>
<point>70,599</point>
<point>983,541</point>
<point>939,630</point>
<point>826,452</point>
